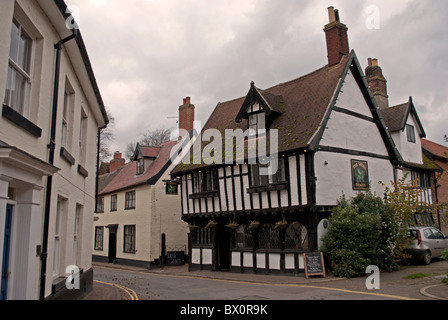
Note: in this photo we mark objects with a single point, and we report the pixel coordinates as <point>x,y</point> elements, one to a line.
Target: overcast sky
<point>148,55</point>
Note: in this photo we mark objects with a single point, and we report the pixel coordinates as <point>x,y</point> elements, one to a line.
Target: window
<point>18,83</point>
<point>129,200</point>
<point>129,239</point>
<point>99,235</point>
<point>421,179</point>
<point>244,237</point>
<point>257,124</point>
<point>67,116</point>
<point>410,133</point>
<point>61,212</point>
<point>113,202</point>
<point>100,205</point>
<point>82,142</point>
<point>205,181</point>
<point>77,233</point>
<point>295,236</point>
<point>263,174</point>
<point>140,165</point>
<point>201,236</point>
<point>269,237</point>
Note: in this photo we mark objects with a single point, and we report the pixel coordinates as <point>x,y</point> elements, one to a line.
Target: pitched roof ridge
<point>296,79</point>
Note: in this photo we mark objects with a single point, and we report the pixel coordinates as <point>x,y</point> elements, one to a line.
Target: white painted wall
<point>333,170</point>
<point>335,179</point>
<point>68,183</point>
<point>410,151</point>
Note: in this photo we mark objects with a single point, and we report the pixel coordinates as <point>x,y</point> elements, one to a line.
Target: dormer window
<point>257,124</point>
<point>140,165</point>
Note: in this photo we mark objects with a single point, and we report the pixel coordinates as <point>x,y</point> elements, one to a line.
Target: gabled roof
<point>269,103</point>
<point>145,151</point>
<point>396,117</point>
<point>306,105</point>
<point>126,177</point>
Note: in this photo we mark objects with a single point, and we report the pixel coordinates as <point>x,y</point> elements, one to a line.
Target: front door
<point>223,242</point>
<point>112,243</point>
<point>6,248</point>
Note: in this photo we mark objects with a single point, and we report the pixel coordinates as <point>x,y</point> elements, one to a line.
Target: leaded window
<point>295,236</point>
<point>244,237</point>
<point>269,237</point>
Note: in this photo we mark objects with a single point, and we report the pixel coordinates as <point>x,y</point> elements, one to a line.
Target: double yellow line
<point>130,292</point>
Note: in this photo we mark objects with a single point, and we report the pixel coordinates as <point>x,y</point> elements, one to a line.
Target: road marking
<point>267,284</point>
<point>129,291</point>
<point>425,293</point>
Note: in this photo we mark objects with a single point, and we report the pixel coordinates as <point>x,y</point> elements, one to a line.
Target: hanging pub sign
<point>360,175</point>
<point>171,188</point>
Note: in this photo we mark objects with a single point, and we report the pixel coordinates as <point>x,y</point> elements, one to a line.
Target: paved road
<point>175,283</point>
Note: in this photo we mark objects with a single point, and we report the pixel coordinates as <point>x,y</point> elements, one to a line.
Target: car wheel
<point>427,257</point>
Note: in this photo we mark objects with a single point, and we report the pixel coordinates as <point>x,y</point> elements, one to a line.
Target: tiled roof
<point>435,148</point>
<point>150,152</point>
<point>303,102</point>
<point>127,178</point>
<point>395,117</point>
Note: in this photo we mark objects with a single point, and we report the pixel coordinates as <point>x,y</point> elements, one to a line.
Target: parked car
<point>425,243</point>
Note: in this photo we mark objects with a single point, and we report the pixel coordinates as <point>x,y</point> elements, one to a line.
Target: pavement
<point>431,286</point>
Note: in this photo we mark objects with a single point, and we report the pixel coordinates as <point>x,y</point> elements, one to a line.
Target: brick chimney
<point>117,162</point>
<point>337,39</point>
<point>377,83</point>
<point>186,115</point>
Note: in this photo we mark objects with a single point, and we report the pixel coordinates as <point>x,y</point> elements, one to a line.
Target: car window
<point>437,234</point>
<point>412,234</point>
<point>428,234</point>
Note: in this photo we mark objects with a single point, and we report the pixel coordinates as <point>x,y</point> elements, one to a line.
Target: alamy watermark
<point>73,280</point>
<point>373,21</point>
<point>373,281</point>
<point>236,147</point>
<point>73,21</point>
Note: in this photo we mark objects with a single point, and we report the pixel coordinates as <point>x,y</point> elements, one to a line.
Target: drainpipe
<point>98,150</point>
<point>51,146</point>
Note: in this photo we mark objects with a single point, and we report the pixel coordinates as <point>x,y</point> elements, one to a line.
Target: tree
<point>152,138</point>
<point>106,137</point>
<point>403,198</point>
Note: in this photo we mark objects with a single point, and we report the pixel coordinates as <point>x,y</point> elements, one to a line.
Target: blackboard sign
<point>314,264</point>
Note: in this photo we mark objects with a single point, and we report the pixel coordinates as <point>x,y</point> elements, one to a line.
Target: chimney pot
<point>186,115</point>
<point>331,14</point>
<point>377,83</point>
<point>117,162</point>
<point>337,39</point>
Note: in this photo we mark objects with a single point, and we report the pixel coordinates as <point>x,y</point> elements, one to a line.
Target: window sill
<point>270,187</point>
<point>82,171</point>
<point>204,194</point>
<point>16,118</point>
<point>67,156</point>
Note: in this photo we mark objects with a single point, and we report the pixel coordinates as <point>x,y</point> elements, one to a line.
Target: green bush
<point>445,256</point>
<point>362,232</point>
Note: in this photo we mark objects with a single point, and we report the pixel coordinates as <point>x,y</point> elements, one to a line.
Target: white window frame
<point>257,124</point>
<point>15,69</point>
